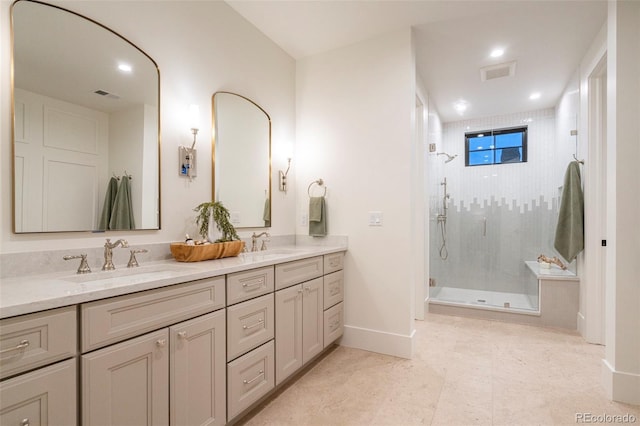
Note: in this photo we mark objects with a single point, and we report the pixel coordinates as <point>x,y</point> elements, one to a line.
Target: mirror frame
<point>213,151</point>
<point>13,122</point>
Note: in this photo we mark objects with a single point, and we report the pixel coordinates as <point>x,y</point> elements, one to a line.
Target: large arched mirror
<point>242,159</point>
<point>86,125</point>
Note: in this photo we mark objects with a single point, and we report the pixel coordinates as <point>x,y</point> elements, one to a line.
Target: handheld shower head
<point>449,157</point>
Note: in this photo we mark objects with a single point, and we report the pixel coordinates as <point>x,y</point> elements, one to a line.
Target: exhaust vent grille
<point>106,94</point>
<point>498,71</point>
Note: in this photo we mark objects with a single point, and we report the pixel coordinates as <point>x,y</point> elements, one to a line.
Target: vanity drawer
<point>33,340</point>
<point>112,320</point>
<point>46,396</point>
<point>290,273</point>
<point>333,324</point>
<point>249,378</point>
<point>246,285</point>
<point>333,289</point>
<point>333,262</point>
<point>249,324</point>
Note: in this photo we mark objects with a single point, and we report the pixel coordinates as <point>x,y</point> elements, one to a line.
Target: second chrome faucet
<point>255,237</point>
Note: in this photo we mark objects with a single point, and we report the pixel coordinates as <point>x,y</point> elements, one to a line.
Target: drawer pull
<point>259,323</point>
<point>161,343</point>
<point>248,382</point>
<point>23,344</point>
<point>260,283</point>
<point>25,422</point>
<point>334,291</point>
<point>182,334</point>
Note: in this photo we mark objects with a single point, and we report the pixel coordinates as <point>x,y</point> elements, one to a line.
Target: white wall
<point>200,48</point>
<point>354,130</point>
<point>621,368</point>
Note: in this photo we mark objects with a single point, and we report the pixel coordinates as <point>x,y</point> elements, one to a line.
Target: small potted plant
<point>214,210</point>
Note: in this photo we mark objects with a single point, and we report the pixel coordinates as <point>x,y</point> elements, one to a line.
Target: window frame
<point>524,130</point>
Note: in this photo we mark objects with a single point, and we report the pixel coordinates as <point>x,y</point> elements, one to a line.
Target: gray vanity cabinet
<point>174,375</point>
<point>38,367</point>
<point>299,314</point>
<point>299,326</point>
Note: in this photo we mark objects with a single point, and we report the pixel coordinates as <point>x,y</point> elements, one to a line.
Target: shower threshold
<point>483,299</point>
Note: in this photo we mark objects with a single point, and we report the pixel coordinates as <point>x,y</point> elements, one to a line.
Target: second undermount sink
<point>139,274</point>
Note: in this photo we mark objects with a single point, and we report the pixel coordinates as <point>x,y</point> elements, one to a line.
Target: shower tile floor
<point>464,372</point>
<point>465,296</point>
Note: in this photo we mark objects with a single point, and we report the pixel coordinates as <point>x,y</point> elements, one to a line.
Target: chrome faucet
<point>255,237</point>
<point>108,254</point>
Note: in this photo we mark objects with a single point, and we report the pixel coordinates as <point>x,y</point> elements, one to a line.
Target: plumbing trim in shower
<point>442,221</point>
<point>449,157</point>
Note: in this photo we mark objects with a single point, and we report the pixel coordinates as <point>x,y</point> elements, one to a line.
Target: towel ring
<point>320,182</point>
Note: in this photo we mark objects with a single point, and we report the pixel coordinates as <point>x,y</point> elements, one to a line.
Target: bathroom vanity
<point>168,343</point>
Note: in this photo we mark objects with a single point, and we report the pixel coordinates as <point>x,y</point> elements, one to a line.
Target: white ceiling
<point>453,40</point>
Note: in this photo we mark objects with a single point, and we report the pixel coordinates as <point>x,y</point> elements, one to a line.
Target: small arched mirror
<point>86,106</point>
<point>242,159</point>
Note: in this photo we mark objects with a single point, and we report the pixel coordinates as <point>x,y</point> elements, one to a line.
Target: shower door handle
<point>484,227</point>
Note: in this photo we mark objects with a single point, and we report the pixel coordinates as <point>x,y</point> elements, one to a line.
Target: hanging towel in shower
<point>109,201</point>
<point>569,240</point>
<point>122,213</point>
<point>266,213</point>
<point>317,217</point>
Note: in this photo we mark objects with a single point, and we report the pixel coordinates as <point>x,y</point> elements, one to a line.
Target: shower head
<point>449,157</point>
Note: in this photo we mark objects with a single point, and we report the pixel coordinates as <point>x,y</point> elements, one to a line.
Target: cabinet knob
<point>161,343</point>
<point>25,422</point>
<point>182,334</point>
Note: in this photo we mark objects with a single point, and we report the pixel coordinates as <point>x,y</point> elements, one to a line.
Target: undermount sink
<point>138,274</point>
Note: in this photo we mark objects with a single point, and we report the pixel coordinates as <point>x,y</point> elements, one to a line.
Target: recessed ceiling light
<point>125,67</point>
<point>460,106</point>
<point>535,95</point>
<point>497,52</point>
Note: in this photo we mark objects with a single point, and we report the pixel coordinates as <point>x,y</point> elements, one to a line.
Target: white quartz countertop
<point>23,295</point>
<point>554,272</point>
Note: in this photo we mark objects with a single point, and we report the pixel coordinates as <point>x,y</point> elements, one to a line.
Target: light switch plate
<point>375,218</point>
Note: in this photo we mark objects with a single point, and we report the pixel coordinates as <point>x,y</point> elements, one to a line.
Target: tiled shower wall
<point>498,215</point>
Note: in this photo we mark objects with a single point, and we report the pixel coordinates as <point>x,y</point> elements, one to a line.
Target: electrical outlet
<point>432,147</point>
<point>304,219</point>
<point>187,162</point>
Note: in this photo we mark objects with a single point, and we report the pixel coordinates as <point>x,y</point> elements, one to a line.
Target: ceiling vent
<point>493,72</point>
<point>106,94</point>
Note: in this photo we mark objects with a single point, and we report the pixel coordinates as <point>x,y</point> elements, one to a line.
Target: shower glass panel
<point>498,216</point>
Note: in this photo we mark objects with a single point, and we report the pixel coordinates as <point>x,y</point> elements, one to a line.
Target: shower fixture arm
<point>449,156</point>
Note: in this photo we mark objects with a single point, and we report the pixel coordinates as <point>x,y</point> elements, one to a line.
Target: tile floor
<point>465,372</point>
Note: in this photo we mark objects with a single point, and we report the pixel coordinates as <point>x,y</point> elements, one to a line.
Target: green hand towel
<point>266,213</point>
<point>122,214</point>
<point>569,239</point>
<point>317,217</point>
<point>109,201</point>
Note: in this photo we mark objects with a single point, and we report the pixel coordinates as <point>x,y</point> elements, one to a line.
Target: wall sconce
<point>283,176</point>
<point>186,155</point>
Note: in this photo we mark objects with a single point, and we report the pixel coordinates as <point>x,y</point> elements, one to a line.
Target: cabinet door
<point>43,397</point>
<point>288,332</point>
<point>313,320</point>
<point>198,371</point>
<point>127,383</point>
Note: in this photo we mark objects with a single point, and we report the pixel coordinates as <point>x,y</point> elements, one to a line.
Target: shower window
<point>498,146</point>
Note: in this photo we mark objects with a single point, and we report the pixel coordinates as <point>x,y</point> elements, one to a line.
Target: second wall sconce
<point>283,176</point>
<point>186,155</point>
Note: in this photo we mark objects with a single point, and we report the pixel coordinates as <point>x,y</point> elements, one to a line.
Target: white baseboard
<point>582,325</point>
<point>620,386</point>
<point>378,341</point>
